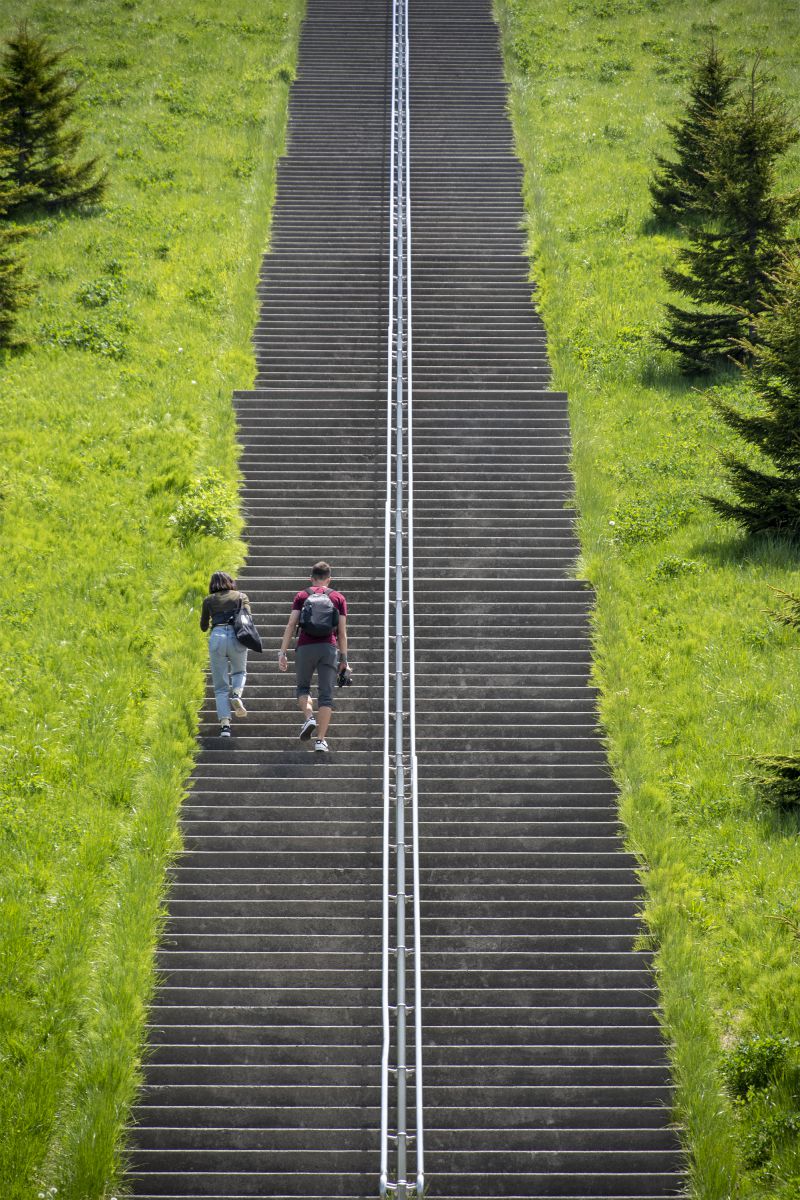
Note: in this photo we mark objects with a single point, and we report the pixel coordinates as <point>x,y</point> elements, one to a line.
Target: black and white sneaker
<point>308,729</point>
<point>237,706</point>
<point>225,730</point>
<point>321,746</point>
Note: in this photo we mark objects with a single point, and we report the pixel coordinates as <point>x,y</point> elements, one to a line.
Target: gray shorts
<point>322,658</point>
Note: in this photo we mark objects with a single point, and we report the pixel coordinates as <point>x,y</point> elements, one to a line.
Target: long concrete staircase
<point>545,1075</point>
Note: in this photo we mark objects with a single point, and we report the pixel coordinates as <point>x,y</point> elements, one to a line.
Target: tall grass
<point>694,675</point>
<point>138,334</point>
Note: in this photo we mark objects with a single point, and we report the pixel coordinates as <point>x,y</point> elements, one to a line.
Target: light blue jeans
<point>227,656</point>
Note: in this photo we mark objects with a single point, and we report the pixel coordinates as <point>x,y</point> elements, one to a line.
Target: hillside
<point>118,418</point>
<point>119,411</point>
<point>695,674</point>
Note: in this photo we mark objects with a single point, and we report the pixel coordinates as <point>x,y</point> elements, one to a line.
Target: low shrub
<point>754,1063</point>
<point>650,518</point>
<point>207,509</point>
<point>769,1134</point>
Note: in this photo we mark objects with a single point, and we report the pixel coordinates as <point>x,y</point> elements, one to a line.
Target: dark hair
<point>321,570</point>
<point>221,582</point>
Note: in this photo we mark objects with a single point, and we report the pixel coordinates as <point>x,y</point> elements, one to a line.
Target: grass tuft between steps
<point>694,675</point>
<point>138,334</point>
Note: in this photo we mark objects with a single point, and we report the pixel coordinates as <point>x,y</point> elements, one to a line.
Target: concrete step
<point>438,1140</point>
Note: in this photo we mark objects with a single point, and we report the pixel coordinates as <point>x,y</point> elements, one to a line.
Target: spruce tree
<point>729,266</point>
<point>680,189</point>
<point>790,613</point>
<point>37,103</point>
<point>767,495</point>
<point>14,291</point>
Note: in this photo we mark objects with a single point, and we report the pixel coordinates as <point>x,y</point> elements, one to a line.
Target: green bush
<point>754,1063</point>
<point>207,509</point>
<point>650,518</point>
<point>674,568</point>
<point>769,1134</point>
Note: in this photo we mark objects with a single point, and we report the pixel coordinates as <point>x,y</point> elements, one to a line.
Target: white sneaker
<point>321,745</point>
<point>237,706</point>
<point>308,729</point>
<point>225,730</point>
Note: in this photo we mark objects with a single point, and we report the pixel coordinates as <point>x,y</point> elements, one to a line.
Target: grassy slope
<point>139,333</point>
<point>694,674</point>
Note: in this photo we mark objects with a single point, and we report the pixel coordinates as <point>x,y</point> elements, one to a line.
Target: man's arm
<point>288,633</point>
<point>341,638</point>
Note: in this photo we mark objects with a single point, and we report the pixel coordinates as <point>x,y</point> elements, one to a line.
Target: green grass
<point>138,334</point>
<point>695,676</point>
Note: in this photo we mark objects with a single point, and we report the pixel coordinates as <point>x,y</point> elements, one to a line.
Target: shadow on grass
<point>778,823</point>
<point>34,214</point>
<point>663,371</point>
<point>741,549</point>
<point>653,226</point>
<point>13,350</point>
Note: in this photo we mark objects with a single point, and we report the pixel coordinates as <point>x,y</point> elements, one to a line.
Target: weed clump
<point>673,568</point>
<point>105,339</point>
<point>207,509</point>
<point>768,1136</point>
<point>753,1064</point>
<point>650,518</point>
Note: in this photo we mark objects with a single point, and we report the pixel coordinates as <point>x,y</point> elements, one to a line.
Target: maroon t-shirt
<point>336,599</point>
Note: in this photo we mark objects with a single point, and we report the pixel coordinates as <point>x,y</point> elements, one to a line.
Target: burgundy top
<point>336,599</point>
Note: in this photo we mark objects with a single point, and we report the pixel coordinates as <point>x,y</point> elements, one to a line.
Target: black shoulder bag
<point>245,630</point>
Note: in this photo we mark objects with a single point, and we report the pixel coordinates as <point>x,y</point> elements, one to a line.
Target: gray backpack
<point>319,616</point>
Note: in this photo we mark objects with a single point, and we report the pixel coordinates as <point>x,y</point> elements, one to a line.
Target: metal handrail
<point>399,419</point>
<point>412,681</point>
<point>384,1165</point>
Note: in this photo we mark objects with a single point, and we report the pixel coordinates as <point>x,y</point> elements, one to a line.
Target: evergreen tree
<point>728,268</point>
<point>37,102</point>
<point>680,189</point>
<point>768,499</point>
<point>14,291</point>
<point>790,613</point>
